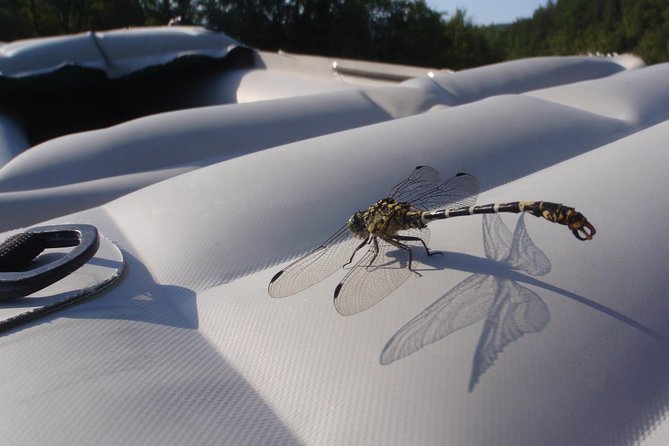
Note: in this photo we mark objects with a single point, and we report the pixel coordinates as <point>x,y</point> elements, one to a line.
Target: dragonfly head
<point>356,224</point>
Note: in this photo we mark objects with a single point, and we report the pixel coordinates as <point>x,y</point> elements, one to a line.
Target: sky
<point>485,12</point>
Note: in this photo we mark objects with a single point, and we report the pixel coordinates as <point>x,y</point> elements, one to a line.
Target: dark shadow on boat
<point>142,336</point>
<point>494,293</point>
<point>143,299</point>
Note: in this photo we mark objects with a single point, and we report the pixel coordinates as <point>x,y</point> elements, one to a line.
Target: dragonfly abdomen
<point>491,208</point>
<point>555,212</point>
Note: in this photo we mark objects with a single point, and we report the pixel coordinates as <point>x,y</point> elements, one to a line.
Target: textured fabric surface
<point>518,334</point>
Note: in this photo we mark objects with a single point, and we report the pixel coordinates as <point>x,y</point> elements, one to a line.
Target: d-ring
<point>15,281</point>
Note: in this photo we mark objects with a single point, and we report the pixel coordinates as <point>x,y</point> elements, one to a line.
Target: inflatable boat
<point>186,189</point>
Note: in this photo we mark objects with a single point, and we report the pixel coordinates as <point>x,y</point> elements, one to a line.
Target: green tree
<point>584,26</point>
<point>467,45</point>
<point>14,20</point>
<point>34,18</point>
<point>407,32</point>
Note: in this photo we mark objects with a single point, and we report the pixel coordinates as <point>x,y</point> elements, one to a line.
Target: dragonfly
<point>391,232</point>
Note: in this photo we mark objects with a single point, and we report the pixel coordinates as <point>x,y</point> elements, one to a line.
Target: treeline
<point>590,26</point>
<point>400,31</point>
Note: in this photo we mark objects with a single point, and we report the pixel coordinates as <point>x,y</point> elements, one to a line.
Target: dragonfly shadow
<point>399,259</point>
<point>388,260</point>
<point>496,294</point>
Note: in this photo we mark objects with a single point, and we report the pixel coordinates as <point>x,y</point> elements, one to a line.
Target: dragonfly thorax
<point>385,218</point>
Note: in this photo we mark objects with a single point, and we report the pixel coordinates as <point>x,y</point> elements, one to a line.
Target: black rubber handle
<point>16,253</point>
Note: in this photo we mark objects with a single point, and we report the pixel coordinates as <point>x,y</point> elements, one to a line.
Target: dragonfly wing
<point>524,255</point>
<point>425,190</point>
<point>377,274</point>
<point>516,250</point>
<point>497,238</point>
<point>517,311</point>
<point>421,179</point>
<point>466,303</point>
<point>316,265</point>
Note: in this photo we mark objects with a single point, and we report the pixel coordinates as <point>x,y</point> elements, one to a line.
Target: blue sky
<point>485,12</point>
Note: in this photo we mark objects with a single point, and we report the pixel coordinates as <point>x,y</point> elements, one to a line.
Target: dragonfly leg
<point>376,251</point>
<point>364,242</point>
<point>417,239</point>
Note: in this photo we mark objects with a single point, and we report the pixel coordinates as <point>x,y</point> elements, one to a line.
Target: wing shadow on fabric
<point>494,294</point>
<point>509,309</point>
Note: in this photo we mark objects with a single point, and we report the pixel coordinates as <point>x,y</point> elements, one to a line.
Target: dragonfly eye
<point>356,225</point>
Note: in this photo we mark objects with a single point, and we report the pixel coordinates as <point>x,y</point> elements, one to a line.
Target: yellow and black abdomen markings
<point>555,212</point>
